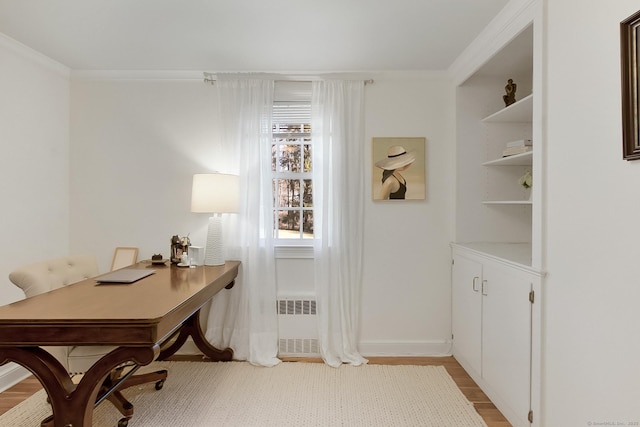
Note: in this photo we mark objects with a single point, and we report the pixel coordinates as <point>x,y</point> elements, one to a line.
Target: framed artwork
<point>398,169</point>
<point>124,257</point>
<point>629,44</point>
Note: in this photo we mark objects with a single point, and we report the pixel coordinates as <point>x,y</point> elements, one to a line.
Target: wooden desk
<point>137,318</point>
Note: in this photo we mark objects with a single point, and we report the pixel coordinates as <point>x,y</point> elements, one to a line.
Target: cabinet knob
<point>475,287</point>
<point>485,288</point>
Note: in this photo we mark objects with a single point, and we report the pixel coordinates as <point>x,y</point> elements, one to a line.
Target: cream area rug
<point>204,394</point>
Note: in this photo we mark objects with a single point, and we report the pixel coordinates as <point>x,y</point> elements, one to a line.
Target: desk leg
<point>72,405</point>
<point>192,328</point>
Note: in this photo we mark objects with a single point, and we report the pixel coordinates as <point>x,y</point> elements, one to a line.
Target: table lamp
<point>214,193</point>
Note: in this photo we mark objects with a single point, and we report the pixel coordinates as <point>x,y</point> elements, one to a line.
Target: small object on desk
<point>179,245</point>
<point>125,275</point>
<point>156,259</point>
<point>182,264</point>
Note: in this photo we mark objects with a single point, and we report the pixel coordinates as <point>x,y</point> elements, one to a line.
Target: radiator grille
<point>296,306</point>
<point>297,327</point>
<point>298,346</point>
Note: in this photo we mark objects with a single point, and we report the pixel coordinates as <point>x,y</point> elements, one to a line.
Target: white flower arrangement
<point>526,180</point>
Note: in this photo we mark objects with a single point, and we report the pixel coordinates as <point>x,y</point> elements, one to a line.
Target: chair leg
<point>117,398</point>
<point>158,377</point>
<point>119,401</point>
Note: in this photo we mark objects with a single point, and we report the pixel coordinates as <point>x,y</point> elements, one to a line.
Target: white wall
<point>136,145</point>
<point>406,302</point>
<point>591,324</point>
<point>34,135</point>
<point>34,167</point>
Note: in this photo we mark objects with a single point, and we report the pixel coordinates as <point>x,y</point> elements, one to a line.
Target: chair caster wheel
<point>123,422</point>
<point>159,385</point>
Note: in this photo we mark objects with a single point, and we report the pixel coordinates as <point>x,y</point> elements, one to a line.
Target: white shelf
<point>520,111</point>
<point>523,159</point>
<point>507,202</point>
<point>518,253</point>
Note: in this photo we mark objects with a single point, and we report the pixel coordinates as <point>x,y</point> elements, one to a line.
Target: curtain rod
<point>210,79</point>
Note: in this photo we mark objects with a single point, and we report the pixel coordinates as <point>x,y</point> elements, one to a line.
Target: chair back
<point>46,276</point>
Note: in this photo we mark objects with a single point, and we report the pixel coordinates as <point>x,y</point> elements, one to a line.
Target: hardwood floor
<point>491,415</point>
<point>19,392</point>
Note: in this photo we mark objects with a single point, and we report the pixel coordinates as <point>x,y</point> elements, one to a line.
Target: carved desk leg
<point>72,405</point>
<point>191,327</point>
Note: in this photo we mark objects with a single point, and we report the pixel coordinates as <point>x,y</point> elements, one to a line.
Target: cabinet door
<point>467,312</point>
<point>506,339</point>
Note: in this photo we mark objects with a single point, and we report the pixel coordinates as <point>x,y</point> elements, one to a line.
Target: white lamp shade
<point>214,193</point>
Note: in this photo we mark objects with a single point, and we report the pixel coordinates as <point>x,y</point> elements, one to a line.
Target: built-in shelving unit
<point>493,208</point>
<point>497,257</point>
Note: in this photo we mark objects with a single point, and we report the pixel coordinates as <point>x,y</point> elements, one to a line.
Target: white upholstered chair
<point>46,276</point>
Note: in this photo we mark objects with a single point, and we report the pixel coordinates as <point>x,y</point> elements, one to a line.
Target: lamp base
<point>214,252</point>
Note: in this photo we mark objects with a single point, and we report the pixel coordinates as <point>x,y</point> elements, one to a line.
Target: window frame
<point>301,139</point>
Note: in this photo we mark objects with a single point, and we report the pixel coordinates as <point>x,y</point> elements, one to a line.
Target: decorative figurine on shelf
<point>526,180</point>
<point>510,97</point>
<point>179,245</point>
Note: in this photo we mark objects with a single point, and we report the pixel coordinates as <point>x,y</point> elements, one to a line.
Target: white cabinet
<point>467,310</point>
<point>506,336</point>
<point>493,328</point>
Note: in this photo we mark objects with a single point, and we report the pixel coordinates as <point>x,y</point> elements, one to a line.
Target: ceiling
<point>248,35</point>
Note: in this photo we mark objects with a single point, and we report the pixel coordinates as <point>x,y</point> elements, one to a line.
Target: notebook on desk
<point>126,275</point>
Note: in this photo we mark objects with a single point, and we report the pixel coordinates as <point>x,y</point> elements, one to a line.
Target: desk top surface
<point>155,303</point>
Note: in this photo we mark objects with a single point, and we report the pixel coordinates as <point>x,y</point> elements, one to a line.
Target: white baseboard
<point>413,348</point>
<point>11,374</point>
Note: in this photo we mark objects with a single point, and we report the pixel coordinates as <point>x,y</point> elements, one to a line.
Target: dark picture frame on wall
<point>629,45</point>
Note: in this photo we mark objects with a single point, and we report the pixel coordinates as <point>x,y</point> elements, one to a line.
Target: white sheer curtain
<point>338,165</point>
<point>244,318</point>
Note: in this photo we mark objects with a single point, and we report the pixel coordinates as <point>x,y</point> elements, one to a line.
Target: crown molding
<point>504,27</point>
<point>34,56</point>
<point>136,75</point>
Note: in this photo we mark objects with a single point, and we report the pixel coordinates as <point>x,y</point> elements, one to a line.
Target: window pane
<point>288,193</point>
<point>289,224</point>
<point>307,195</point>
<point>291,167</point>
<point>290,158</point>
<point>274,157</point>
<point>307,225</point>
<point>274,183</point>
<point>307,157</point>
<point>288,128</point>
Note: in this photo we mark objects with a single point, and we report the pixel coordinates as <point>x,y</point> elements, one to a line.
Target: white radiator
<point>297,326</point>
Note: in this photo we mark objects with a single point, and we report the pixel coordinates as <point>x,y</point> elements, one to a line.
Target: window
<point>291,168</point>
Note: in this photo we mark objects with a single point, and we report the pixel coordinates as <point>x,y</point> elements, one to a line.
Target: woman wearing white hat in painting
<point>394,186</point>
